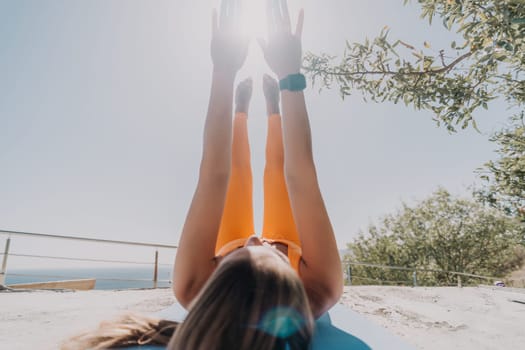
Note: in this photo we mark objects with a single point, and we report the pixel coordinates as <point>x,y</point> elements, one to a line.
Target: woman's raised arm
<point>195,261</point>
<point>320,267</point>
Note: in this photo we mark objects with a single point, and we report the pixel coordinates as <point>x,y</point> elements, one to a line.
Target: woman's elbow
<point>323,298</point>
<point>336,292</point>
<point>183,293</point>
<point>333,292</point>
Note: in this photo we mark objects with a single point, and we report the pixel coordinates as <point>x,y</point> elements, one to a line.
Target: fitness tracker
<point>293,82</point>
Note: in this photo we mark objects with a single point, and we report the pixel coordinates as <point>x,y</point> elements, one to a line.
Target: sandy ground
<point>40,320</point>
<point>445,318</point>
<point>429,318</point>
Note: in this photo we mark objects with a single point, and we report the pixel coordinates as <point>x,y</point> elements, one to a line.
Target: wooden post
<point>459,282</point>
<point>349,274</point>
<point>414,277</point>
<point>4,261</point>
<point>156,270</point>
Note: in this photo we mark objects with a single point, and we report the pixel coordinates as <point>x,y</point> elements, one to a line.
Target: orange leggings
<point>237,219</point>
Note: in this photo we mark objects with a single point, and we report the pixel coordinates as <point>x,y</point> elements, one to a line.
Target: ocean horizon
<point>107,278</point>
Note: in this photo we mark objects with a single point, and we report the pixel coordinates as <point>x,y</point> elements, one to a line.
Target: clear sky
<point>102,104</point>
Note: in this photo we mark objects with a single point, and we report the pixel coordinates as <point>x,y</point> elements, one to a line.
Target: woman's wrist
<point>288,73</point>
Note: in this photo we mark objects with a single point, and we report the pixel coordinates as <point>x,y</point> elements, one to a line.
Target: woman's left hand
<point>228,47</point>
<point>283,50</point>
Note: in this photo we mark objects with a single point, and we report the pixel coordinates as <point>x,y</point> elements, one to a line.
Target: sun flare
<point>253,20</point>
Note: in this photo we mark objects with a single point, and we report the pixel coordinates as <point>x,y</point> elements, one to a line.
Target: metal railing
<point>415,279</point>
<point>155,263</point>
<point>351,278</point>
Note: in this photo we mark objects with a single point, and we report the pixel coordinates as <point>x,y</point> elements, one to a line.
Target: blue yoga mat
<point>338,329</point>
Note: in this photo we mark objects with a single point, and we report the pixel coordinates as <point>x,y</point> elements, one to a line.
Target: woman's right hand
<point>283,50</point>
<point>228,47</point>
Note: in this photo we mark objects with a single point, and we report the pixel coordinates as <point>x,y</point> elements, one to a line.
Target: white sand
<point>40,320</point>
<point>429,318</point>
<point>445,318</point>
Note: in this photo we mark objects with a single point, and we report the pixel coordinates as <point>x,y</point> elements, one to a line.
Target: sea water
<point>106,278</point>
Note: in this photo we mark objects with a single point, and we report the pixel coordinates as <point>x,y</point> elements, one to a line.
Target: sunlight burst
<point>254,20</point>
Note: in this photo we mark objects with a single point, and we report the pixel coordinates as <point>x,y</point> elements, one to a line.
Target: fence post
<point>349,274</point>
<point>156,269</point>
<point>414,277</point>
<point>4,261</point>
<point>459,281</point>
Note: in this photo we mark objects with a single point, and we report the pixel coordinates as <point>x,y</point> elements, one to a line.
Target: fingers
<point>300,23</point>
<point>232,12</point>
<point>229,14</point>
<point>281,15</point>
<point>278,19</point>
<point>286,16</point>
<point>214,24</point>
<point>239,13</point>
<point>270,20</point>
<point>224,12</point>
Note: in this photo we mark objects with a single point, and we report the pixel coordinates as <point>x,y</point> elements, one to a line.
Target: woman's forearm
<point>321,269</point>
<point>194,262</point>
<point>216,154</point>
<point>296,133</point>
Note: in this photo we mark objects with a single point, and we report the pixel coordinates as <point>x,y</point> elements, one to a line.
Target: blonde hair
<point>246,304</point>
<point>128,330</point>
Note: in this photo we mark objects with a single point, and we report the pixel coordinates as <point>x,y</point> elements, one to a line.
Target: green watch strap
<point>293,82</point>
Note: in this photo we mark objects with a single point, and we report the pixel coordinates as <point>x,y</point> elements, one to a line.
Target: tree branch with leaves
<point>454,83</point>
<point>505,177</point>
